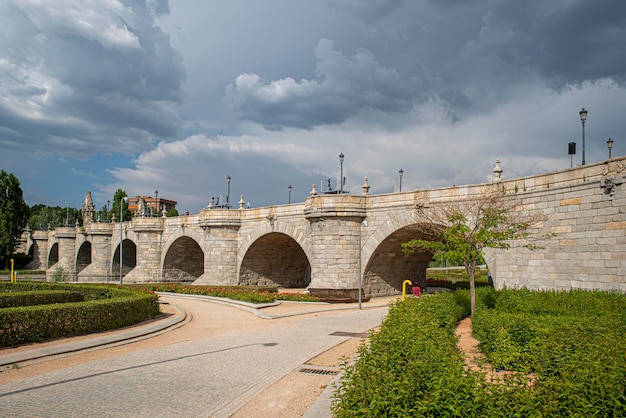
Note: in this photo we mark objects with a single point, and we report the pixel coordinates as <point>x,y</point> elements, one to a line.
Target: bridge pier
<point>335,228</point>
<point>221,228</point>
<point>65,238</point>
<point>93,259</point>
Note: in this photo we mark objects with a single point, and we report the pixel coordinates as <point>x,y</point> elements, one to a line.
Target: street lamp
<point>228,195</point>
<point>289,188</point>
<point>108,215</point>
<point>122,200</point>
<point>583,118</point>
<point>401,172</point>
<point>67,214</point>
<point>156,197</point>
<point>341,173</point>
<point>609,145</point>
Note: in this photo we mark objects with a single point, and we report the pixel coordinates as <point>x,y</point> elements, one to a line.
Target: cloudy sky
<point>176,96</point>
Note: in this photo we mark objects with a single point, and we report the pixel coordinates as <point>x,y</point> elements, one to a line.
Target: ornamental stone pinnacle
<point>497,172</point>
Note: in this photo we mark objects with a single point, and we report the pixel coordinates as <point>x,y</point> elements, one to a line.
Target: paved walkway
<point>212,376</point>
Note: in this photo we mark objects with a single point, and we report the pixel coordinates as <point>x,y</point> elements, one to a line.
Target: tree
<point>115,207</point>
<point>13,215</point>
<point>461,230</point>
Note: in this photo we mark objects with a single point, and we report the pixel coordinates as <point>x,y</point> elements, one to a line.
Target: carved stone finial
<point>88,210</point>
<point>366,186</point>
<point>497,172</point>
<point>242,202</point>
<point>313,190</point>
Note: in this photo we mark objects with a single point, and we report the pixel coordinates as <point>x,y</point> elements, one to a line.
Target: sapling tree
<point>461,230</point>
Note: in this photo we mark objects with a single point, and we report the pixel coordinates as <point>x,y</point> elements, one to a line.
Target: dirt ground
<point>289,397</point>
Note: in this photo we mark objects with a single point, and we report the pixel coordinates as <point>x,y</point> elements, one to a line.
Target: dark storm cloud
<point>467,57</point>
<point>86,77</point>
<point>342,87</point>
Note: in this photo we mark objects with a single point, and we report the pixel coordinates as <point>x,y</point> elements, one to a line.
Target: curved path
<point>211,366</point>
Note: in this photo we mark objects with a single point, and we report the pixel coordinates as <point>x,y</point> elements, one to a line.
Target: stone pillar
<point>335,227</point>
<point>99,235</point>
<point>148,240</point>
<point>221,227</point>
<point>66,239</point>
<point>40,250</point>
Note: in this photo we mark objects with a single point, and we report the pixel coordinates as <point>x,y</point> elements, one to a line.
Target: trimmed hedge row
<point>104,308</point>
<point>251,294</point>
<point>38,297</point>
<point>575,345</point>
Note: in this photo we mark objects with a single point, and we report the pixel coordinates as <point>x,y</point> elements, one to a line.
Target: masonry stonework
<point>334,243</point>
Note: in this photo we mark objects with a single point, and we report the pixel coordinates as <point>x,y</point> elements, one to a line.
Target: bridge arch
<point>275,258</point>
<point>385,266</point>
<point>83,257</point>
<point>183,261</point>
<point>129,258</point>
<point>53,255</point>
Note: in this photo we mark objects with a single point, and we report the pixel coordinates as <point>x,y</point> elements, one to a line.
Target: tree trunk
<point>470,269</point>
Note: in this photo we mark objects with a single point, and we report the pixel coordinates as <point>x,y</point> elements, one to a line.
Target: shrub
<point>38,297</point>
<point>60,275</point>
<point>104,308</point>
<point>574,342</point>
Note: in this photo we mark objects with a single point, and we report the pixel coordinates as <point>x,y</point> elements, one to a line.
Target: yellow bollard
<point>12,276</point>
<point>404,283</point>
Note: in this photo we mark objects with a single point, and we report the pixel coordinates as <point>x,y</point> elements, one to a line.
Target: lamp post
<point>361,225</point>
<point>583,118</point>
<point>341,156</point>
<point>228,194</point>
<point>67,214</point>
<point>401,172</point>
<point>108,215</point>
<point>122,200</point>
<point>289,188</point>
<point>609,145</point>
<point>156,197</point>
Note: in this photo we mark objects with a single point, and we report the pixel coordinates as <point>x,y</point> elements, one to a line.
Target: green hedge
<point>251,294</point>
<point>104,308</point>
<point>38,297</point>
<point>574,344</point>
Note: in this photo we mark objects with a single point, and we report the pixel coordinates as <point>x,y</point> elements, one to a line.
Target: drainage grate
<point>351,334</point>
<point>316,370</point>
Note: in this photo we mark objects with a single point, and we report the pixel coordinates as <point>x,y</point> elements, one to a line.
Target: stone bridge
<point>334,244</point>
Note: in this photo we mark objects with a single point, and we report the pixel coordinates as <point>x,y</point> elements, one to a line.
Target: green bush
<point>104,308</point>
<point>251,295</point>
<point>574,343</point>
<point>38,297</point>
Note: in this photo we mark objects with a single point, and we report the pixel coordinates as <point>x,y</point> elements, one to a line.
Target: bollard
<point>404,283</point>
<point>416,291</point>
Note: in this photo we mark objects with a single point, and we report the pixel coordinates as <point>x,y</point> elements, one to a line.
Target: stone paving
<point>211,376</point>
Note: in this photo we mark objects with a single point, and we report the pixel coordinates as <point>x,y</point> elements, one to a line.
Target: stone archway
<point>275,259</point>
<point>129,259</point>
<point>184,261</point>
<point>83,259</point>
<point>53,255</point>
<point>388,266</point>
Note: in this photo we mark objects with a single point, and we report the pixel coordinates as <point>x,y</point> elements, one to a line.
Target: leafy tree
<point>50,217</point>
<point>13,215</point>
<point>461,230</point>
<point>172,212</point>
<point>115,207</point>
